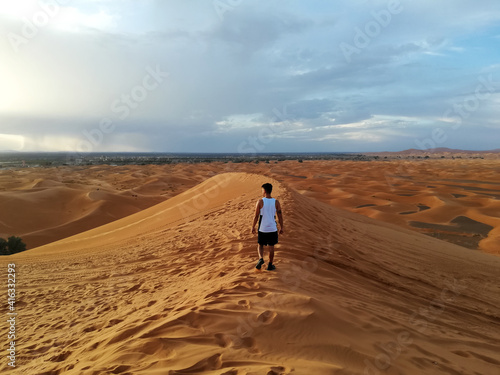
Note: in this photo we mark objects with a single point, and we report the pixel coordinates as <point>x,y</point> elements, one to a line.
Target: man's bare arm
<point>258,206</point>
<point>280,215</point>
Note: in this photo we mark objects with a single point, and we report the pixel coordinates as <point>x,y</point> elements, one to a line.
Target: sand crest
<point>172,289</point>
<point>456,200</point>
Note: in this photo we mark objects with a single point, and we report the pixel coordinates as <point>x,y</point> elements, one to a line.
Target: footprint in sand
<point>90,328</point>
<point>94,346</point>
<point>120,369</point>
<point>248,285</point>
<point>267,317</point>
<point>112,322</point>
<point>134,288</point>
<point>33,349</point>
<point>225,341</point>
<point>222,340</point>
<point>279,370</point>
<point>244,303</point>
<point>104,309</point>
<point>60,357</point>
<point>211,363</point>
<point>231,372</point>
<point>155,346</point>
<point>154,317</point>
<point>237,247</point>
<point>248,343</point>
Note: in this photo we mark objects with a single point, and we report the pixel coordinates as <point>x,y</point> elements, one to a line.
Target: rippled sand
<point>454,200</point>
<point>172,289</point>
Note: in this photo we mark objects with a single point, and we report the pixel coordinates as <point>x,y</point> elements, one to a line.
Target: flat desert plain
<point>168,284</point>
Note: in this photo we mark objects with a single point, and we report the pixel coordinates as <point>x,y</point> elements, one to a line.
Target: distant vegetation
<point>12,245</point>
<point>10,160</point>
<point>54,160</point>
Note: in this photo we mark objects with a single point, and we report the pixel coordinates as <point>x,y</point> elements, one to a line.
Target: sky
<point>249,76</point>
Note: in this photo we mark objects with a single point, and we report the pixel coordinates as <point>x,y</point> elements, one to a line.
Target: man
<point>265,211</point>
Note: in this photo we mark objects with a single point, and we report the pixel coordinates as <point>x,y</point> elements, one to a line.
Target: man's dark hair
<point>268,187</point>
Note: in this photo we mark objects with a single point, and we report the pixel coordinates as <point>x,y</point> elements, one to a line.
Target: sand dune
<point>43,205</point>
<point>402,192</point>
<point>172,289</point>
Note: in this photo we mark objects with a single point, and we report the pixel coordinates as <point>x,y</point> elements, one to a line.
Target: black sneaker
<point>271,267</point>
<point>259,263</point>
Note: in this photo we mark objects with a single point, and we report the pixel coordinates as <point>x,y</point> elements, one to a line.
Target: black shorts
<point>267,238</point>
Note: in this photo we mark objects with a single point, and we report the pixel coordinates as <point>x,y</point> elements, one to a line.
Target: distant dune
<point>172,289</point>
<point>43,205</point>
<point>454,200</point>
<point>438,150</point>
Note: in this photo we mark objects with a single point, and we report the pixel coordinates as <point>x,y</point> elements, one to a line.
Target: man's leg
<point>271,254</point>
<point>271,266</point>
<point>260,250</point>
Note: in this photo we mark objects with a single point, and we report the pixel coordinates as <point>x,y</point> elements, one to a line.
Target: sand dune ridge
<point>172,289</point>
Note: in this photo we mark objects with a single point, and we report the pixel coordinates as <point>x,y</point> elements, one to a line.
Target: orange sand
<point>454,200</point>
<point>172,290</point>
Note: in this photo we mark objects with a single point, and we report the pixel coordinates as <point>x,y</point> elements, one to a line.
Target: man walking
<point>265,211</point>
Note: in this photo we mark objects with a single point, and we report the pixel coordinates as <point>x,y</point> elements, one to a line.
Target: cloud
<point>249,32</point>
<point>12,142</point>
<point>261,64</point>
<point>71,19</point>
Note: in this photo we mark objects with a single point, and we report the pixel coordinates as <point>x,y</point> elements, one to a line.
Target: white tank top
<point>267,223</point>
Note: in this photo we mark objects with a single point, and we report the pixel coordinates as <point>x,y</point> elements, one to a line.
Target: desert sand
<point>454,200</point>
<point>172,289</point>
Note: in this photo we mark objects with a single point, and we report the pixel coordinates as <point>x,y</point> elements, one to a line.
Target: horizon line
<point>442,149</point>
